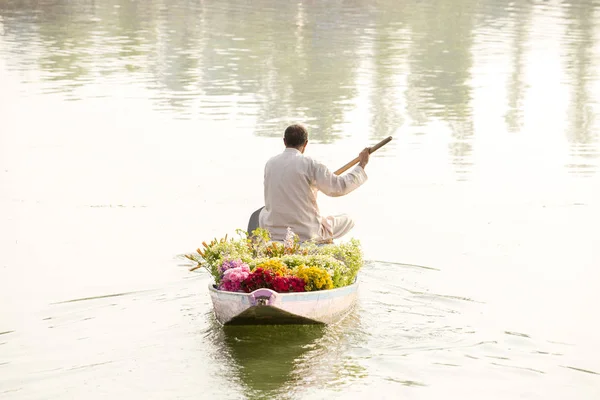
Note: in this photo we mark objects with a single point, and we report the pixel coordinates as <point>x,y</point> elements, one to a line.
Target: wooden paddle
<point>357,159</point>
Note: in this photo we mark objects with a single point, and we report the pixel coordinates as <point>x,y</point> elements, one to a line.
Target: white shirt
<point>292,181</point>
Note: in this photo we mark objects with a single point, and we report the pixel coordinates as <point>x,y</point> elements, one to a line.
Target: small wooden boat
<point>267,307</point>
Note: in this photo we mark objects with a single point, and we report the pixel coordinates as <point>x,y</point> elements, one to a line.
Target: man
<point>292,181</point>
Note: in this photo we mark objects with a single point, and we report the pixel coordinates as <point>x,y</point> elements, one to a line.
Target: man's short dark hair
<point>295,135</point>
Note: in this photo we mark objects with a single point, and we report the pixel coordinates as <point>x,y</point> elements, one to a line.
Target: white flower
<point>288,243</point>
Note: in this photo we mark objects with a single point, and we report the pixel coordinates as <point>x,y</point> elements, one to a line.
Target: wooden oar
<point>357,159</point>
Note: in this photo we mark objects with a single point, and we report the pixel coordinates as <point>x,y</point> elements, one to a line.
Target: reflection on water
<point>338,67</point>
<point>520,22</point>
<point>282,361</point>
<point>266,357</point>
<point>580,57</point>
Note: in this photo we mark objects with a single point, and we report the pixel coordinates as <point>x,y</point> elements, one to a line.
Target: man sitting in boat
<point>291,183</point>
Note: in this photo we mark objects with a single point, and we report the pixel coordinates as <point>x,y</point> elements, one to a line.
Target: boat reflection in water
<point>284,361</point>
<point>266,357</point>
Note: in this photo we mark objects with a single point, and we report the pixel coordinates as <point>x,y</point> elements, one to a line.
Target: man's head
<point>296,136</point>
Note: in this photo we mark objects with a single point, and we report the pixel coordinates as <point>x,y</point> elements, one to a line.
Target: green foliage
<point>348,253</point>
<point>261,245</point>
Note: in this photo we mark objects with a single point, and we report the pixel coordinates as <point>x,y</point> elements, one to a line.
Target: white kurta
<point>292,181</point>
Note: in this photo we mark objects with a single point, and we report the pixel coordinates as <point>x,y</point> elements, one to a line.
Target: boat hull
<point>267,307</point>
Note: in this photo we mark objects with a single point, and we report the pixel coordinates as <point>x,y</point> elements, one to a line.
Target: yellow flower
<point>275,265</point>
<point>315,278</point>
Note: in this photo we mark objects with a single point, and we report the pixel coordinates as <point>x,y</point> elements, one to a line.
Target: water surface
<point>131,131</point>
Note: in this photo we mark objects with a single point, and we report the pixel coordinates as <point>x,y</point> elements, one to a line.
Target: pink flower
<point>228,264</point>
<point>233,277</point>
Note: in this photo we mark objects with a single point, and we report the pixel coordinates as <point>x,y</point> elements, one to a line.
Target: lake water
<point>131,131</point>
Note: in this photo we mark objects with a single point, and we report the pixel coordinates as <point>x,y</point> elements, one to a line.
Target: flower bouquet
<point>254,261</point>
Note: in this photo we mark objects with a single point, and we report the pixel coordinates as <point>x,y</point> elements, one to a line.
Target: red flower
<point>280,284</point>
<point>261,278</point>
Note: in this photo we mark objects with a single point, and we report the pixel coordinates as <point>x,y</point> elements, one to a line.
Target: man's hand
<point>364,157</point>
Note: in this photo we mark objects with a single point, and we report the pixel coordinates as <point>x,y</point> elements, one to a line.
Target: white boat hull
<point>265,306</point>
